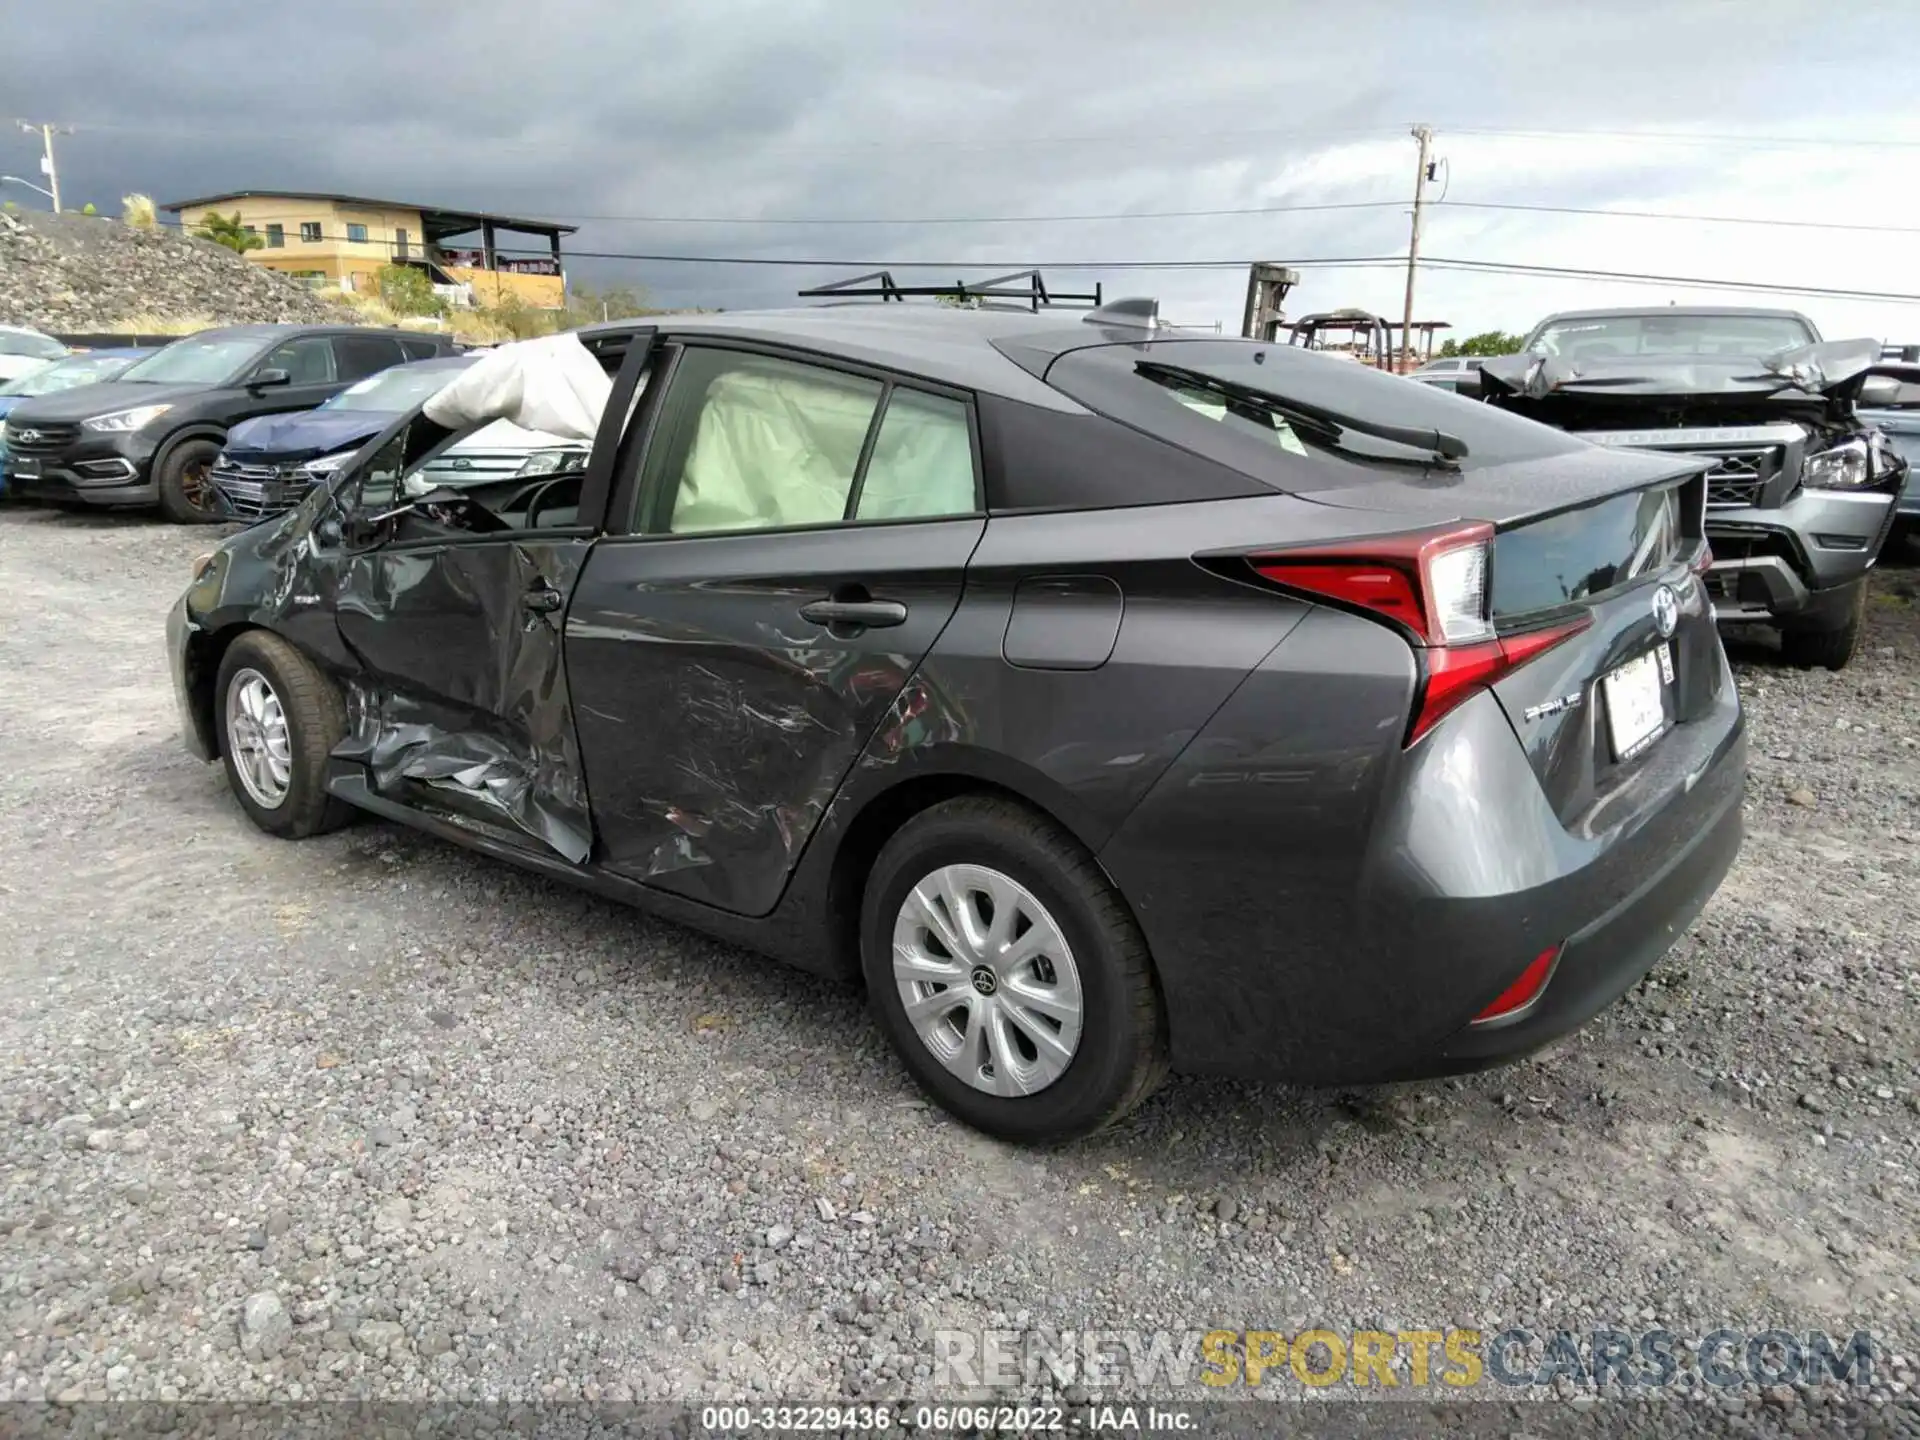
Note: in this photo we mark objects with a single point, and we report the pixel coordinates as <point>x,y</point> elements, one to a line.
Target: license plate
<point>25,468</point>
<point>1636,702</point>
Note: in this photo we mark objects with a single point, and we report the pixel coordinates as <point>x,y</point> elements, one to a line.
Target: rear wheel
<point>1008,973</point>
<point>188,495</point>
<point>1832,648</point>
<point>278,716</point>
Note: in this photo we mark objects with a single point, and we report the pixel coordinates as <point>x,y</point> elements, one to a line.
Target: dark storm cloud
<point>859,109</point>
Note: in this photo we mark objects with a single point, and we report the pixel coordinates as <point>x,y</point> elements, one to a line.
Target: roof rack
<point>1023,285</point>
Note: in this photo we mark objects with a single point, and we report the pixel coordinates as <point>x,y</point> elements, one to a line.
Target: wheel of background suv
<point>1008,974</point>
<point>187,492</point>
<point>278,715</point>
<point>1810,649</point>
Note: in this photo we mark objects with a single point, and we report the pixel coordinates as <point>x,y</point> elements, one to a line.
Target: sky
<point>941,132</point>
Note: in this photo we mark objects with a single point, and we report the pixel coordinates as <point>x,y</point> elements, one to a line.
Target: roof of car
<point>1626,312</point>
<point>940,343</point>
<point>346,327</point>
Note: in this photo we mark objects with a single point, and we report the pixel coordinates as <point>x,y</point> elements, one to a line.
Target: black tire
<point>1833,648</point>
<point>316,718</point>
<point>1122,1053</point>
<point>187,492</point>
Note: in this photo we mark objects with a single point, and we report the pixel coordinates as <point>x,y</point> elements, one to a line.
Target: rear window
<point>1586,552</point>
<point>1131,384</point>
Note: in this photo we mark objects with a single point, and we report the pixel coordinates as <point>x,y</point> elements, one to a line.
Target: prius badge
<point>1666,611</point>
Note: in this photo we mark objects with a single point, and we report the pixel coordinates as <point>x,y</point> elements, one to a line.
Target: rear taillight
<point>1433,587</point>
<point>1524,991</point>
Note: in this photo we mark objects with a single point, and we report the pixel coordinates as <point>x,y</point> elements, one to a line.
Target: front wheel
<point>1813,649</point>
<point>278,716</point>
<point>188,495</point>
<point>1008,973</point>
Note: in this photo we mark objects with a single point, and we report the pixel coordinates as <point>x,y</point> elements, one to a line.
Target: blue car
<point>1901,426</point>
<point>270,462</point>
<point>86,369</point>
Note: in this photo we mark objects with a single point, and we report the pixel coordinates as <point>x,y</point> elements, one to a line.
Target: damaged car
<point>270,463</point>
<point>1105,701</point>
<point>1801,486</point>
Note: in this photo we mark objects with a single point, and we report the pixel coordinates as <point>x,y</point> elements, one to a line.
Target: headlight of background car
<point>551,462</point>
<point>324,466</point>
<point>121,421</point>
<point>1845,467</point>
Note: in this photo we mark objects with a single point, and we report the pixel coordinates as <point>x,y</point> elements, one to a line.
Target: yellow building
<point>344,240</point>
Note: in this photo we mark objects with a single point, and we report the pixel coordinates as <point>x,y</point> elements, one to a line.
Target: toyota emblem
<point>1666,611</point>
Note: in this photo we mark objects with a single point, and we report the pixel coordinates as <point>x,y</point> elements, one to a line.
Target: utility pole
<point>47,167</point>
<point>1424,135</point>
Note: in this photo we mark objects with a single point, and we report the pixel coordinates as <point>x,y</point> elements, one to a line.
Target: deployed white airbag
<point>551,384</point>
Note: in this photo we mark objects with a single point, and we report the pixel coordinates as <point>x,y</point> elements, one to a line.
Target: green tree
<point>407,290</point>
<point>1487,342</point>
<point>228,231</point>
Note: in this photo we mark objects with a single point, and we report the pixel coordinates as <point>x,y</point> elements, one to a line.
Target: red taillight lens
<point>1524,991</point>
<point>1455,672</point>
<point>1431,585</point>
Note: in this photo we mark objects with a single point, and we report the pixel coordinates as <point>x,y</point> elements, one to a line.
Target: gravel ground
<point>373,1117</point>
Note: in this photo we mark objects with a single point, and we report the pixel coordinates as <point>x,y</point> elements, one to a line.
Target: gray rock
<point>265,1326</point>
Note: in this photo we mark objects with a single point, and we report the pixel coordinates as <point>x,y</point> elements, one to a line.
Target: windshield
<point>197,360</point>
<point>25,342</point>
<point>394,390</point>
<point>65,374</point>
<point>1604,337</point>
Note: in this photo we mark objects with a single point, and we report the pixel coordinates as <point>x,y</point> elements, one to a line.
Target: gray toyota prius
<point>1104,701</point>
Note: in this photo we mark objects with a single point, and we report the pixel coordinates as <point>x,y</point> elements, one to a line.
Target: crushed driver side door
<point>452,604</point>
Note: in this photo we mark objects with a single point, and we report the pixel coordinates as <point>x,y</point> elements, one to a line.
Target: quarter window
<point>922,461</point>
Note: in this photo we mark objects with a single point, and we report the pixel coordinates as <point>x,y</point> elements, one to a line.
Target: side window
<point>922,461</point>
<point>756,443</point>
<point>420,349</point>
<point>307,360</point>
<point>358,356</point>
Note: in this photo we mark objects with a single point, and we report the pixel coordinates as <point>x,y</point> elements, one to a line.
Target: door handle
<point>543,599</point>
<point>868,614</point>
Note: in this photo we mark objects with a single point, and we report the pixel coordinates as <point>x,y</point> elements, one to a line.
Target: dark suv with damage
<point>1801,492</point>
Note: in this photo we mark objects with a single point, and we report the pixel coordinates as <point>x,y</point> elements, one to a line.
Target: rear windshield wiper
<point>1326,425</point>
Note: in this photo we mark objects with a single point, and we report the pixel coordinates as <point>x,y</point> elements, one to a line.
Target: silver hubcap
<point>988,980</point>
<point>258,737</point>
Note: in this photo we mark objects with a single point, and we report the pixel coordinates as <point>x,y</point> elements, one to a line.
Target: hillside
<point>79,273</point>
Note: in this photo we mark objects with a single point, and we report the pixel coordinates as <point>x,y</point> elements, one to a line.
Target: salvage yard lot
<point>483,1135</point>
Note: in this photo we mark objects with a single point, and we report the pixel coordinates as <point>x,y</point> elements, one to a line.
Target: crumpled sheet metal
<point>395,740</point>
<point>496,741</point>
<point>552,384</point>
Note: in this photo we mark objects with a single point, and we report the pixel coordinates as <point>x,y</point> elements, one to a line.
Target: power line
<point>1691,137</point>
<point>990,219</point>
<point>1672,215</point>
<point>1501,267</point>
<point>1342,262</point>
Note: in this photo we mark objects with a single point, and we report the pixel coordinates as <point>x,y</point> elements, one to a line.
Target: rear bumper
<point>1324,907</point>
<point>1608,958</point>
